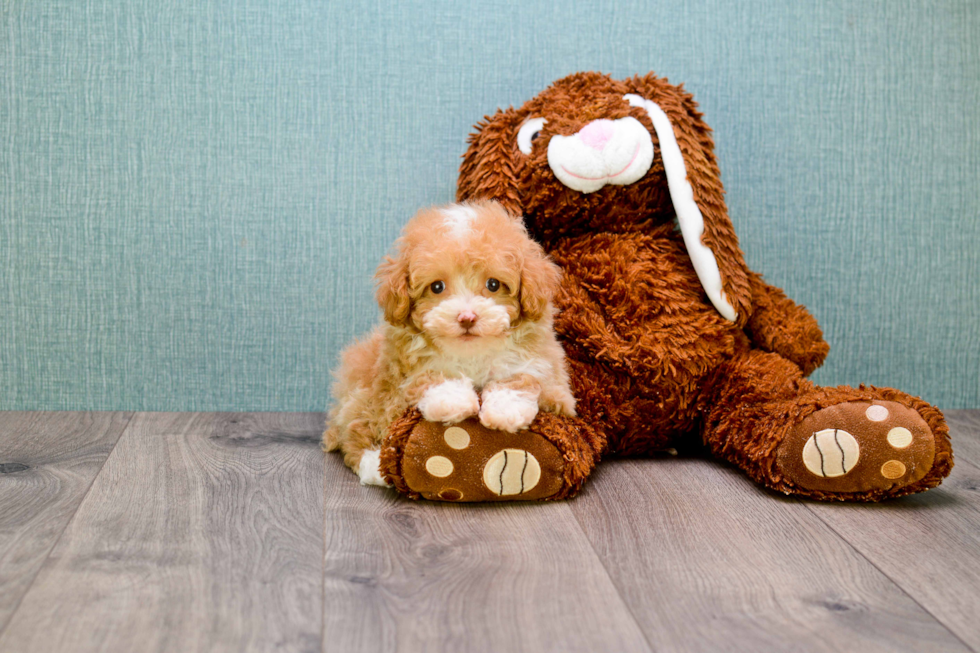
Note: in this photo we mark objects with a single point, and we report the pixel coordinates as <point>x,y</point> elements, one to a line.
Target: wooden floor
<point>233,532</point>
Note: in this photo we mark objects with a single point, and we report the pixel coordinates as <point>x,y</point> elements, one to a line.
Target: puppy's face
<point>465,276</point>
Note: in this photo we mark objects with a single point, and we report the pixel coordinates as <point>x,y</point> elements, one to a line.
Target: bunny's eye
<point>529,132</point>
<point>437,287</point>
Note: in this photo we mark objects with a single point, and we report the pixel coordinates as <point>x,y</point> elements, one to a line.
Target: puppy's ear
<point>392,295</point>
<point>539,281</point>
<point>487,171</point>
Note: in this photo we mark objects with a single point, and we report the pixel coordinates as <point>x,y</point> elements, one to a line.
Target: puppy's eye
<point>493,285</point>
<point>437,287</point>
<point>529,132</point>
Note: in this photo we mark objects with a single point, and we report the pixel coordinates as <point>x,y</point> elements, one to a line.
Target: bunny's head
<point>591,153</point>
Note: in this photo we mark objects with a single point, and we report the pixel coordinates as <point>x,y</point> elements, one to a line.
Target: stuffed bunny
<point>669,336</point>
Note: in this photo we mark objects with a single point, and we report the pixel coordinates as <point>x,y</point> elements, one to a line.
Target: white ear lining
<point>688,214</point>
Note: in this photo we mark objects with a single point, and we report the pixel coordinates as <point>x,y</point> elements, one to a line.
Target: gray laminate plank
<point>203,532</point>
<point>47,463</point>
<point>929,543</point>
<point>708,561</point>
<point>429,576</point>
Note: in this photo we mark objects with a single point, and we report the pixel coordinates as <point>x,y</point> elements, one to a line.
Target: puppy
<point>468,332</point>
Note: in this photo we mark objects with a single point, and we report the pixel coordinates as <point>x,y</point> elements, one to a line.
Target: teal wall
<point>193,195</point>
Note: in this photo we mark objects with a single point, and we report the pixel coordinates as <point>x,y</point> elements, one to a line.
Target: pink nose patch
<point>596,134</point>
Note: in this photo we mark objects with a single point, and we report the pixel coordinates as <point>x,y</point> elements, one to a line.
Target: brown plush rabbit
<point>669,335</point>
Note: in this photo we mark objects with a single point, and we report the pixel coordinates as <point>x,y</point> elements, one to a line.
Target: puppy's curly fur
<point>467,332</point>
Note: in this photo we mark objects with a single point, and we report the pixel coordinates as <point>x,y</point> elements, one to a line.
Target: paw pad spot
<point>451,494</point>
<point>893,469</point>
<point>876,413</point>
<point>439,466</point>
<point>511,471</point>
<point>457,438</point>
<point>900,437</point>
<point>831,453</point>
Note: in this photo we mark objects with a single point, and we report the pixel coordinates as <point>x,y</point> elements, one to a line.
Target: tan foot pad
<point>858,446</point>
<point>468,462</point>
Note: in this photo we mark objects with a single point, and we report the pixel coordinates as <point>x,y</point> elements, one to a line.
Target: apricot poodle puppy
<point>467,332</point>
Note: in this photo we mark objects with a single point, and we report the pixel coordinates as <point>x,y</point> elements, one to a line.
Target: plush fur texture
<point>468,333</point>
<point>652,361</point>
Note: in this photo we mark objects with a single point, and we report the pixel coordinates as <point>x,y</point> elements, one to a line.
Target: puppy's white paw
<point>369,469</point>
<point>508,410</point>
<point>450,401</point>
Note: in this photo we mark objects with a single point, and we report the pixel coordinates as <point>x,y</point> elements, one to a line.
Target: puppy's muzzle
<point>467,319</point>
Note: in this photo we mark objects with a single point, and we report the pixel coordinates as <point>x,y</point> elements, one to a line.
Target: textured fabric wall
<point>193,195</point>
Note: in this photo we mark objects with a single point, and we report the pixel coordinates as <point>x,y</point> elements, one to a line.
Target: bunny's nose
<point>596,134</point>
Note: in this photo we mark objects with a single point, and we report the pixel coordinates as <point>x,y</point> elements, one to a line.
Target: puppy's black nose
<point>466,319</point>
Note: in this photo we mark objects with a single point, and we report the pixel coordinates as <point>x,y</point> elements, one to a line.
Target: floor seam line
<point>612,581</point>
<point>68,521</point>
<point>890,579</point>
<point>323,554</point>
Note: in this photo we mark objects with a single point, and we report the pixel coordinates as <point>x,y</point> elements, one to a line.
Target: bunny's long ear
<point>487,171</point>
<point>696,191</point>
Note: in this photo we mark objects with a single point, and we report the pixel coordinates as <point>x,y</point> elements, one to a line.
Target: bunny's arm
<point>780,325</point>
